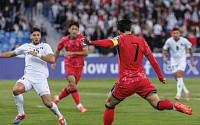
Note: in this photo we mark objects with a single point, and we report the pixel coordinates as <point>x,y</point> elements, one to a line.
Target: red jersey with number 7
<point>131,50</point>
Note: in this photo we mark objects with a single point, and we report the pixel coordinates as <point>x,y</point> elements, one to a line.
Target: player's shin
<point>165,104</point>
<point>75,95</point>
<point>108,115</point>
<point>19,103</point>
<point>64,93</point>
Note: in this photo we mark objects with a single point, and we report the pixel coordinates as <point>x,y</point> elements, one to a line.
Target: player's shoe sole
<point>55,99</point>
<point>19,118</point>
<point>183,108</point>
<point>82,109</point>
<point>62,121</point>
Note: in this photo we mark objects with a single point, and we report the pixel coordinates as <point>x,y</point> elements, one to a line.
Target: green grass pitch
<point>93,93</point>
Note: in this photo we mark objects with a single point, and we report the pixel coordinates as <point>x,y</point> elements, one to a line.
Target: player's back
<point>131,50</point>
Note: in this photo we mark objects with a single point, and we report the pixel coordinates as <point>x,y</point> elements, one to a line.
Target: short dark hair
<point>124,25</point>
<point>74,23</point>
<point>176,29</point>
<point>35,29</point>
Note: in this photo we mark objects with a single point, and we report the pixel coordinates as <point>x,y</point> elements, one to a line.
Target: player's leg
<point>53,108</point>
<point>179,85</point>
<point>166,104</point>
<point>111,102</point>
<point>21,86</point>
<point>65,92</point>
<point>180,80</point>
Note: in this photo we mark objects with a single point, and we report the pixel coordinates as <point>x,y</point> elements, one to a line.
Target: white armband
<point>39,55</point>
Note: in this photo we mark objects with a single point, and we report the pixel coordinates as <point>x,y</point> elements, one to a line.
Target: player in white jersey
<point>36,73</point>
<point>177,46</point>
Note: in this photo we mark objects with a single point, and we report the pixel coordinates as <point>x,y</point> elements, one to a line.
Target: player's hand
<point>86,41</point>
<point>192,62</point>
<point>53,66</point>
<point>163,81</point>
<point>67,53</point>
<point>165,59</point>
<point>32,53</point>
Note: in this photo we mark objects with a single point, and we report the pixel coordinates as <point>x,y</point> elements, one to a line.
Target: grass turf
<point>93,92</point>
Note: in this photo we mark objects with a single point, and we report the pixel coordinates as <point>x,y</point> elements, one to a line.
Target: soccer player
<point>132,78</point>
<point>177,46</point>
<point>37,55</point>
<point>74,62</point>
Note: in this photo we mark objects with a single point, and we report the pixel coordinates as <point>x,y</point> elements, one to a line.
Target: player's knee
<point>16,91</point>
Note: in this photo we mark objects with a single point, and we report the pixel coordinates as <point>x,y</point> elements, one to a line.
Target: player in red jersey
<point>75,50</point>
<point>132,78</point>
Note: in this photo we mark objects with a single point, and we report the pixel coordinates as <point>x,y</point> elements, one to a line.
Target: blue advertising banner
<point>95,67</point>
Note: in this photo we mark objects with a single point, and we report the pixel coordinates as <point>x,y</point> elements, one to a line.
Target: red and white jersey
<point>34,66</point>
<point>72,45</point>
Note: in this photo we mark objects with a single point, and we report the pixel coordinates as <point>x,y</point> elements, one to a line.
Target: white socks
<point>180,86</point>
<point>55,110</point>
<point>79,105</point>
<point>19,103</point>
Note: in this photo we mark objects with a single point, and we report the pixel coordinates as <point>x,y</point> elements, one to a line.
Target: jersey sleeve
<point>166,45</point>
<point>20,49</point>
<point>48,50</point>
<point>188,44</point>
<point>147,50</point>
<point>107,42</point>
<point>60,45</point>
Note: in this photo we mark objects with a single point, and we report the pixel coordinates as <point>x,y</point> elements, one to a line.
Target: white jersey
<point>177,49</point>
<point>35,68</point>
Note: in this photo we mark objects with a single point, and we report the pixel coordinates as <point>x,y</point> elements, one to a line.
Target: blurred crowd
<point>152,19</point>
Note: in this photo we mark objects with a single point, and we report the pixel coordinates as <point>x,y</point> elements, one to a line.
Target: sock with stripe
<point>108,115</point>
<point>75,95</point>
<point>165,104</point>
<point>64,93</point>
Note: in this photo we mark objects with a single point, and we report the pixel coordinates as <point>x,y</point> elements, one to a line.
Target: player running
<point>36,73</point>
<point>74,63</point>
<point>177,46</point>
<point>132,78</point>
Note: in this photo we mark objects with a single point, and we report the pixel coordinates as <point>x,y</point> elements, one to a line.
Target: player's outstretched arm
<point>49,58</point>
<point>103,43</point>
<point>7,54</point>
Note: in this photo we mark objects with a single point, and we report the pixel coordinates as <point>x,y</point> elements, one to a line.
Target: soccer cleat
<point>187,98</point>
<point>55,99</point>
<point>82,109</point>
<point>62,121</point>
<point>183,108</point>
<point>19,118</point>
<point>176,98</point>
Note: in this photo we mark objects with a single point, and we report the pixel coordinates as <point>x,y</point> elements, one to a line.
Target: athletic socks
<point>75,95</point>
<point>165,104</point>
<point>63,94</point>
<point>108,115</point>
<point>19,103</point>
<point>183,85</point>
<point>55,110</point>
<point>179,87</point>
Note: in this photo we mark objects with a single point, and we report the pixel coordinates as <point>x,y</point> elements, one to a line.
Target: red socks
<point>75,95</point>
<point>165,104</point>
<point>64,93</point>
<point>108,115</point>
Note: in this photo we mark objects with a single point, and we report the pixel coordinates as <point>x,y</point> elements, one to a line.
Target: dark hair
<point>176,29</point>
<point>74,23</point>
<point>124,25</point>
<point>35,29</point>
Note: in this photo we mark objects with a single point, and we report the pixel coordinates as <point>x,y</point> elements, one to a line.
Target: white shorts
<point>42,87</point>
<point>181,66</point>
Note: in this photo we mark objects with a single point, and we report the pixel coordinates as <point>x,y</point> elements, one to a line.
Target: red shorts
<point>143,88</point>
<point>76,71</point>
